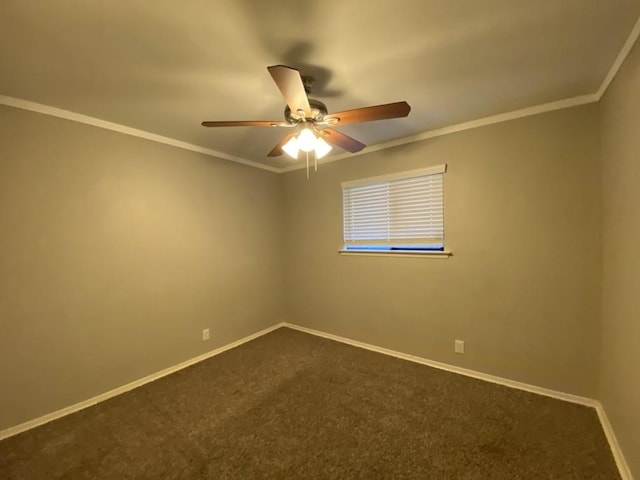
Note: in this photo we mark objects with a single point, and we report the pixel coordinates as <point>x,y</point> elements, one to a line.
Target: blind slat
<point>408,209</point>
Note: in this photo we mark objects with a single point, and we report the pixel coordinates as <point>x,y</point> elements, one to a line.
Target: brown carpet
<point>291,405</point>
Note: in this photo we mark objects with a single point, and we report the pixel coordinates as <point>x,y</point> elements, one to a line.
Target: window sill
<point>398,253</point>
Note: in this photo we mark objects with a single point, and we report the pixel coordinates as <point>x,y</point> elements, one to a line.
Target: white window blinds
<point>400,210</point>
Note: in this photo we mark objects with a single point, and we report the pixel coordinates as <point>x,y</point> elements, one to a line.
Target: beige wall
<point>620,372</point>
<point>523,218</point>
<point>116,252</point>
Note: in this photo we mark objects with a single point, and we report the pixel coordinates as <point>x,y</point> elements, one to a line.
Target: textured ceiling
<point>165,66</point>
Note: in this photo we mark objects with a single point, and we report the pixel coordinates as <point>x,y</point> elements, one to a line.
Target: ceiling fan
<point>311,120</point>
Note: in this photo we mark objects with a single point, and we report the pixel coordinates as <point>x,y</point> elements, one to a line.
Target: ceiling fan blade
<point>290,85</point>
<point>369,114</point>
<point>277,150</point>
<point>259,123</point>
<point>341,140</point>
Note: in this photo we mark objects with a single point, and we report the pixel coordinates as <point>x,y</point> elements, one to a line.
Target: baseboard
<point>623,467</point>
<point>36,422</point>
<point>452,368</point>
<point>625,473</point>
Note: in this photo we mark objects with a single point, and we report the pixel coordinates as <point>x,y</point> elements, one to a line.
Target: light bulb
<point>306,140</point>
<point>322,148</point>
<point>291,148</point>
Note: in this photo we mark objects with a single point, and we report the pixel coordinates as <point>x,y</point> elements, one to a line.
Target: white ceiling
<point>165,66</point>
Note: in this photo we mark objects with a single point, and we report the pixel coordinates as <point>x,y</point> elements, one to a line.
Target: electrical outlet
<point>458,346</point>
<point>205,334</point>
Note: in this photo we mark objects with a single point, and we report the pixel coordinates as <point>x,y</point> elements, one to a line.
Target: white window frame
<point>429,244</point>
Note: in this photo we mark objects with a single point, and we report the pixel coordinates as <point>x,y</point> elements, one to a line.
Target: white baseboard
<point>623,467</point>
<point>625,473</point>
<point>22,427</point>
<point>452,368</point>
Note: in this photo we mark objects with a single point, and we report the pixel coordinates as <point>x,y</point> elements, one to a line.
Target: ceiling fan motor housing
<point>318,112</point>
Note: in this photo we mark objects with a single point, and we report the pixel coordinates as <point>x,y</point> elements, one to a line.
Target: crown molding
<point>116,127</point>
<point>481,122</point>
<point>622,56</point>
<point>502,117</point>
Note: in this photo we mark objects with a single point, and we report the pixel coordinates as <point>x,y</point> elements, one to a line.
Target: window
<point>398,213</point>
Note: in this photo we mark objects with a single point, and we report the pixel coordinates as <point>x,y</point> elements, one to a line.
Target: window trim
<point>398,253</point>
<point>420,172</point>
<point>390,250</point>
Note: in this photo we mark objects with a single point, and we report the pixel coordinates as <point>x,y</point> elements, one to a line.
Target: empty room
<point>243,239</point>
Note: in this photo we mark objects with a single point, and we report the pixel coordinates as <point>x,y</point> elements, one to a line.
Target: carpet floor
<point>290,405</point>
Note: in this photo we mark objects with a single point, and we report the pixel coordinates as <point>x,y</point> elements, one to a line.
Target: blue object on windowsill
<point>394,248</point>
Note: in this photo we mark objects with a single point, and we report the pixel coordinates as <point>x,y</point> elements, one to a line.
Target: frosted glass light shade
<point>306,140</point>
<point>321,148</point>
<point>291,148</point>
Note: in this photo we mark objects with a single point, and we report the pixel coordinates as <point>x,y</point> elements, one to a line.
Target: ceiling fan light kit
<point>307,141</point>
<point>312,120</point>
